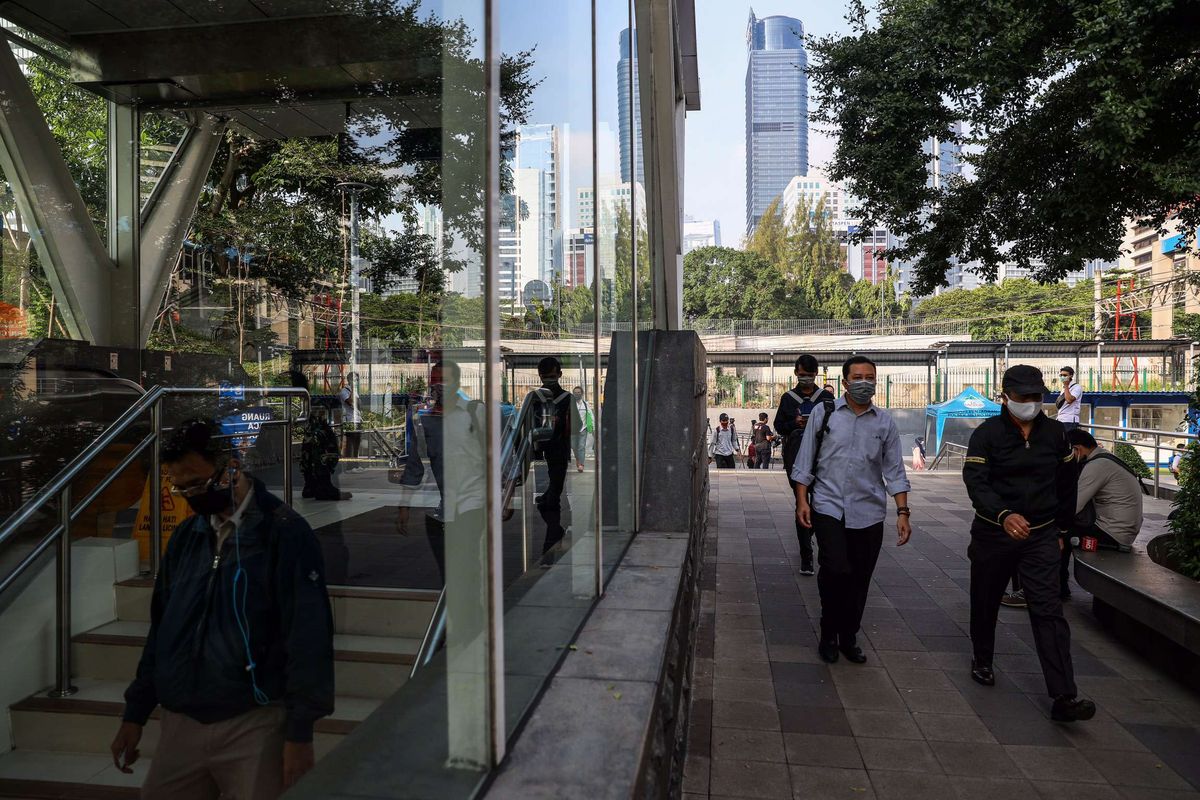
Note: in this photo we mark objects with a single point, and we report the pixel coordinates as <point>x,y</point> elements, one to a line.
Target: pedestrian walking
<point>351,423</point>
<point>850,460</point>
<point>1020,474</point>
<point>918,454</point>
<point>795,408</point>
<point>764,440</point>
<point>579,438</point>
<point>241,671</point>
<point>724,444</point>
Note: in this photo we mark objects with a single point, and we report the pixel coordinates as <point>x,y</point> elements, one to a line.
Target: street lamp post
<point>353,188</point>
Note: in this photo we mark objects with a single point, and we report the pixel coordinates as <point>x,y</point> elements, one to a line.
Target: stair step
<point>359,611</point>
<point>364,666</point>
<point>80,776</point>
<point>85,721</point>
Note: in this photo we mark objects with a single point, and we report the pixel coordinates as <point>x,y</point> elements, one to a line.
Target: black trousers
<point>805,535</point>
<point>724,462</point>
<point>994,556</point>
<point>847,560</point>
<point>549,504</point>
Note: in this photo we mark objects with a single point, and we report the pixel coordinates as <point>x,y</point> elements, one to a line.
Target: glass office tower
<point>776,110</point>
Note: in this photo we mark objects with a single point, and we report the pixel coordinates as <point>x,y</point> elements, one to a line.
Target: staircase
<point>61,744</point>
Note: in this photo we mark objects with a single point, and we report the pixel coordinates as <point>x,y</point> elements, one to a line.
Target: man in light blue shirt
<point>844,471</point>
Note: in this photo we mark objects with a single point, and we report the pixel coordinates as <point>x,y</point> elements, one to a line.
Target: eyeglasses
<point>197,487</point>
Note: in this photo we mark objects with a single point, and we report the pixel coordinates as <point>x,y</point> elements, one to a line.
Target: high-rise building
<point>540,178</point>
<point>1156,261</point>
<point>700,233</point>
<point>776,110</point>
<point>627,81</point>
<point>578,257</point>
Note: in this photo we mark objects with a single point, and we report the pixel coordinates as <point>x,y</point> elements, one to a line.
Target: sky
<point>715,166</point>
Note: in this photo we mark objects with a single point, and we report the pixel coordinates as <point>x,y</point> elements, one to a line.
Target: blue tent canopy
<point>968,405</point>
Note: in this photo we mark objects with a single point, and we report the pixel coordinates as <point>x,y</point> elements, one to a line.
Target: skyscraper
<point>627,80</point>
<point>776,110</point>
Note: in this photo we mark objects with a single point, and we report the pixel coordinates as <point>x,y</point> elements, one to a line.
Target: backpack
<point>791,445</point>
<point>546,422</point>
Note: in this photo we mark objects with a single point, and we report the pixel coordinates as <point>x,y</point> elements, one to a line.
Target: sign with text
<point>174,511</point>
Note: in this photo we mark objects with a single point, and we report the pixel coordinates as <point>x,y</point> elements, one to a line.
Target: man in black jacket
<point>795,406</point>
<point>553,442</point>
<point>240,648</point>
<point>1020,475</point>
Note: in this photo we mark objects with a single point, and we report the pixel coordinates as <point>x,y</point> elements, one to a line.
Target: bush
<point>1185,521</point>
<point>1129,454</point>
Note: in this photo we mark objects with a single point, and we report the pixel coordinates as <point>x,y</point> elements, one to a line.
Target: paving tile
<point>877,698</point>
<point>808,695</point>
<point>751,691</point>
<point>1124,768</point>
<point>953,728</point>
<point>830,783</point>
<point>893,785</point>
<point>785,672</point>
<point>734,744</point>
<point>1177,746</point>
<point>1058,790</point>
<point>819,750</point>
<point>733,778</point>
<point>974,759</point>
<point>991,788</point>
<point>908,755</point>
<point>1018,731</point>
<point>886,724</point>
<point>1050,763</point>
<point>1143,793</point>
<point>741,714</point>
<point>914,678</point>
<point>827,721</point>
<point>935,701</point>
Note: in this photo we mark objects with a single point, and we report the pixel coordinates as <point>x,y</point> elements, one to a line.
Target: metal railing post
<point>1156,461</point>
<point>156,489</point>
<point>62,607</point>
<point>287,450</point>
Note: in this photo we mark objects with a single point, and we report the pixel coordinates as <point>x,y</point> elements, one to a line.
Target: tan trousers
<point>235,759</point>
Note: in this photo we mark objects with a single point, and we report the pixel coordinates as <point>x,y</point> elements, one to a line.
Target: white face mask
<point>1023,411</point>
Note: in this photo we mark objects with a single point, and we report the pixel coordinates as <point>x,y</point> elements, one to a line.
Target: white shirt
<point>723,443</point>
<point>349,412</point>
<point>1070,411</point>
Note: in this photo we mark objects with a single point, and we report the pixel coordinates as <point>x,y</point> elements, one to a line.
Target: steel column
<point>125,225</point>
<point>156,489</point>
<point>62,607</point>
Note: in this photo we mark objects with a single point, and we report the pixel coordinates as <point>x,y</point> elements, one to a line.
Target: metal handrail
<point>1158,436</point>
<point>943,451</point>
<point>60,487</point>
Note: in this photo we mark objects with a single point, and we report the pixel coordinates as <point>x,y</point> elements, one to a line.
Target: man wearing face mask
<point>795,408</point>
<point>240,648</point>
<point>1020,474</point>
<point>847,466</point>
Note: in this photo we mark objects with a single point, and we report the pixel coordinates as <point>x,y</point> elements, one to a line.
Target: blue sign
<point>228,391</point>
<point>244,427</point>
<point>589,238</point>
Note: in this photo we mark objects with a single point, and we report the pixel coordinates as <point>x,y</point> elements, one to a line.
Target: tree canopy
<point>1075,115</point>
<point>1017,308</point>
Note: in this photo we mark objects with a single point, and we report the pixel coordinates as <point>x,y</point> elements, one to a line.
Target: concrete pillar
<point>125,309</point>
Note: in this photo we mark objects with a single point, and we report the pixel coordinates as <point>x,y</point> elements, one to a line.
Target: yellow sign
<point>174,511</point>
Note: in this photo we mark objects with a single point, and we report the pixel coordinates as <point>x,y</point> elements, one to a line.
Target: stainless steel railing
<point>59,488</point>
<point>1157,436</point>
<point>947,448</point>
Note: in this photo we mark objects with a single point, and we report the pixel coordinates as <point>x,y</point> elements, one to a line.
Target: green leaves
<point>1078,114</point>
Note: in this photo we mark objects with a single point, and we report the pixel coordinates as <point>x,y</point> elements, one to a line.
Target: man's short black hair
<point>196,435</point>
<point>723,417</point>
<point>851,361</point>
<point>1068,369</point>
<point>548,366</point>
<point>807,363</point>
<point>1078,436</point>
<point>762,415</point>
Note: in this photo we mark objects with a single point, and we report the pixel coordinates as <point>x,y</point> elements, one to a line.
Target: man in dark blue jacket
<point>240,648</point>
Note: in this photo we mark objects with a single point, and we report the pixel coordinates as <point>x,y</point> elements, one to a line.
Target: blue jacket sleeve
<point>307,625</point>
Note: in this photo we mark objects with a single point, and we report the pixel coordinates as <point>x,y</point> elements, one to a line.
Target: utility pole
<point>353,188</point>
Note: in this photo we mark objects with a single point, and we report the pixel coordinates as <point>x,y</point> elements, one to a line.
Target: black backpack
<point>791,445</point>
<point>547,423</point>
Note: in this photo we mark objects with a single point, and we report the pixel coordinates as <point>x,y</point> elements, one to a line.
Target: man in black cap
<point>1020,475</point>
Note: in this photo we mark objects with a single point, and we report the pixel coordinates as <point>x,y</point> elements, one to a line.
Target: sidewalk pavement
<point>770,720</point>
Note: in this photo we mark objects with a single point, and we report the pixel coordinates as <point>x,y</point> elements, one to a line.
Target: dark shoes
<point>806,565</point>
<point>1072,709</point>
<point>828,652</point>
<point>854,654</point>
<point>982,674</point>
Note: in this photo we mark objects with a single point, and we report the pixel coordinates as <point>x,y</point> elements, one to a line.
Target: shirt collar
<point>239,513</point>
<point>841,403</point>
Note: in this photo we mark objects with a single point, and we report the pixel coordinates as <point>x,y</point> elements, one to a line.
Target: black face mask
<point>212,500</point>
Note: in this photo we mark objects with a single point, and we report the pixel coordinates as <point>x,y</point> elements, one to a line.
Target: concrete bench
<point>1148,605</point>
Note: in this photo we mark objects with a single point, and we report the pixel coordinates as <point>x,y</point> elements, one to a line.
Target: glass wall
<point>434,233</point>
